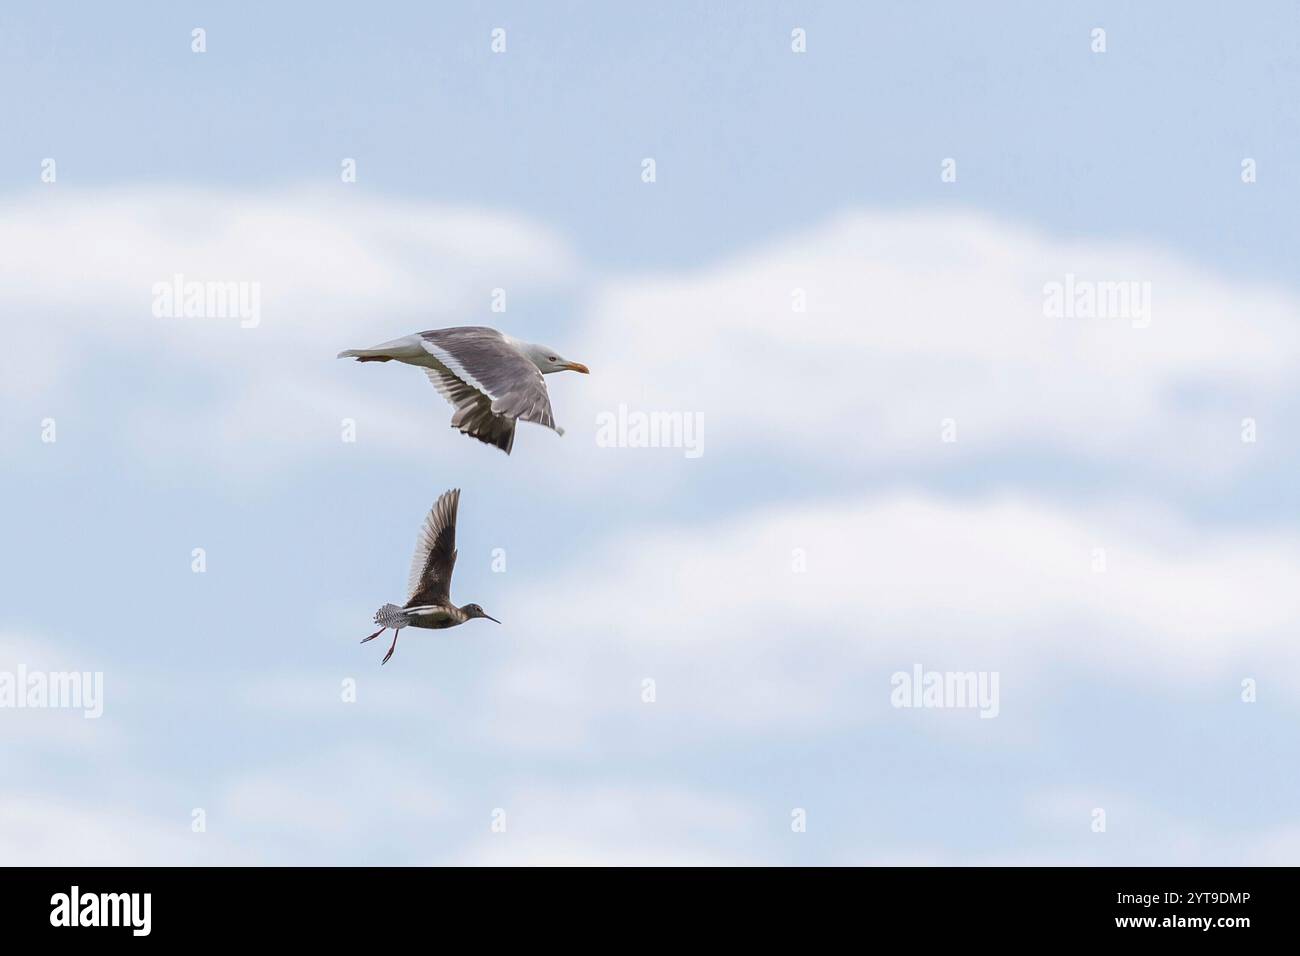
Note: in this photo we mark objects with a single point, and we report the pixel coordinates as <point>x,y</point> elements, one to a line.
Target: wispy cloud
<point>854,343</point>
<point>331,271</point>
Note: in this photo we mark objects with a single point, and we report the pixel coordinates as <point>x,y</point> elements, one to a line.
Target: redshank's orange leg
<point>374,635</point>
<point>391,649</point>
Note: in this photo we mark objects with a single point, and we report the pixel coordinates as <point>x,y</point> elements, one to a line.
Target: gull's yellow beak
<point>578,367</point>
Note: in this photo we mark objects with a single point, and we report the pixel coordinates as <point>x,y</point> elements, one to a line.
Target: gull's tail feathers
<point>404,348</point>
<point>365,355</point>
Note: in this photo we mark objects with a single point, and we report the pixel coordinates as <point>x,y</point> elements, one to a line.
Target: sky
<point>838,269</point>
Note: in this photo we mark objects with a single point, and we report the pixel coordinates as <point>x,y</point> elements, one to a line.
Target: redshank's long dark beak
<point>491,618</point>
<point>578,367</point>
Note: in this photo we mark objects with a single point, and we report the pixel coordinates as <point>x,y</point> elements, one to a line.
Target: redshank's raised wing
<point>435,554</point>
<point>490,382</point>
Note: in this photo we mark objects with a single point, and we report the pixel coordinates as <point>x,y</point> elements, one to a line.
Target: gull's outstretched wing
<point>435,554</point>
<point>490,382</point>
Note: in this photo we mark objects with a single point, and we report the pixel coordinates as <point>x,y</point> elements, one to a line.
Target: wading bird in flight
<point>490,378</point>
<point>429,604</point>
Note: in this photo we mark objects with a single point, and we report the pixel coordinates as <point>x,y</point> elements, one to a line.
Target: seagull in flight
<point>429,586</point>
<point>490,378</point>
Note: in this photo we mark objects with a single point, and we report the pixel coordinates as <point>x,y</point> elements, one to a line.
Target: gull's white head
<point>548,360</point>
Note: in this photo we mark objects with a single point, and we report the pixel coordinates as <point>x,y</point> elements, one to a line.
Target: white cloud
<point>614,826</point>
<point>332,797</point>
<point>736,641</point>
<point>913,318</point>
<point>334,271</point>
<point>40,831</point>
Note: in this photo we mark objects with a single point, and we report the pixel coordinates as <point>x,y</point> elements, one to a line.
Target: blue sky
<point>775,172</point>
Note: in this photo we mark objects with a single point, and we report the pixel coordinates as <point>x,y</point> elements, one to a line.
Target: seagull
<point>429,604</point>
<point>489,377</point>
